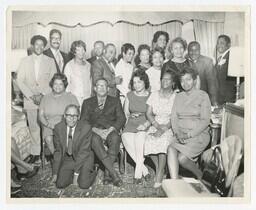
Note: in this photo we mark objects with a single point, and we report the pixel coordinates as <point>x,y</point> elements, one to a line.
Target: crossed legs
<point>134,145</point>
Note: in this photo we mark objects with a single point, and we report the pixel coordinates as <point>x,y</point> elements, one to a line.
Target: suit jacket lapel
<point>76,134</point>
<point>107,66</point>
<point>63,138</point>
<point>106,105</point>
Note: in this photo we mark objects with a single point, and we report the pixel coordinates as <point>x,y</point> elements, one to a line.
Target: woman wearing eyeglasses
<point>53,105</point>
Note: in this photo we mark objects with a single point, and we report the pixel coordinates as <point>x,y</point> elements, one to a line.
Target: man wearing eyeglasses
<point>73,157</point>
<point>106,116</point>
<point>54,52</point>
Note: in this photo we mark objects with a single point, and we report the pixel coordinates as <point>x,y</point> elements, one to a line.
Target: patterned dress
<point>162,108</point>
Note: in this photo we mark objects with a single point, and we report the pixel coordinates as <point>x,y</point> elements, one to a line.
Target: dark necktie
<point>70,141</point>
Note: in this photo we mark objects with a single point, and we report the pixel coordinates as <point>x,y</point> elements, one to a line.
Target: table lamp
<point>236,66</point>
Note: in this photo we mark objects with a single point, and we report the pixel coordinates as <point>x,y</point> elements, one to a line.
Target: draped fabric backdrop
<point>119,33</point>
<point>206,33</point>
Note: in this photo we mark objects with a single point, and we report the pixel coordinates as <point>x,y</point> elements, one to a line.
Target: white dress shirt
<point>37,60</point>
<point>68,133</point>
<point>58,57</point>
<point>124,70</point>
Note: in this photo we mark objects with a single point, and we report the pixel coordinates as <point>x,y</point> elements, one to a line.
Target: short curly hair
<point>158,34</point>
<point>188,70</point>
<point>76,44</point>
<point>61,77</point>
<point>180,40</point>
<point>38,37</point>
<point>142,75</point>
<point>140,48</point>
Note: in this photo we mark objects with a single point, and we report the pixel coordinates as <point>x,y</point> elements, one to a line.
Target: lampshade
<point>236,62</point>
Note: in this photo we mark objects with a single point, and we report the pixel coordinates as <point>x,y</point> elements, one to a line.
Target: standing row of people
<point>149,92</point>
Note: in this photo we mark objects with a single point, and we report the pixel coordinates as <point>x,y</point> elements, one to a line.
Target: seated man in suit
<point>104,67</point>
<point>73,157</point>
<point>106,116</point>
<point>54,52</point>
<point>33,76</point>
<point>97,52</point>
<point>205,68</point>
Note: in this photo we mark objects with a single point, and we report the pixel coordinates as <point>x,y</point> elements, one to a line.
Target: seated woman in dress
<point>190,119</point>
<point>154,72</point>
<point>134,132</point>
<point>159,134</point>
<point>142,59</point>
<point>160,40</point>
<point>52,107</point>
<point>78,72</point>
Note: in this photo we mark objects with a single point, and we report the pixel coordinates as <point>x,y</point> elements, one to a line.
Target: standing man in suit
<point>73,157</point>
<point>54,52</point>
<point>106,116</point>
<point>97,52</point>
<point>104,68</point>
<point>227,91</point>
<point>205,68</point>
<point>33,76</point>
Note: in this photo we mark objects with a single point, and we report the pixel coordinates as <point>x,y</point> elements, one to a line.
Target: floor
<point>40,186</point>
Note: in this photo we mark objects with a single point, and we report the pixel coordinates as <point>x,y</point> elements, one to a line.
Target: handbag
<point>214,176</point>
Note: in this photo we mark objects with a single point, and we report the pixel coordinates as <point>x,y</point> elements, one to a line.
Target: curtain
<point>118,34</point>
<point>206,33</point>
<point>21,36</point>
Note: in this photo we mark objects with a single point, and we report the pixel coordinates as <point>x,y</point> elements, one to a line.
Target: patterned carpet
<point>39,186</point>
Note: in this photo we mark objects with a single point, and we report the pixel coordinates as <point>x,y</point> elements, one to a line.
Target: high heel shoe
<point>137,181</point>
<point>116,180</point>
<point>29,174</point>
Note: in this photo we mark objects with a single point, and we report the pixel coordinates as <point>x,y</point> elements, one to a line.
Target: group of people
<point>157,103</point>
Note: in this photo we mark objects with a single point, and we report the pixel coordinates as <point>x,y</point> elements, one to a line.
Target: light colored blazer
<point>26,78</point>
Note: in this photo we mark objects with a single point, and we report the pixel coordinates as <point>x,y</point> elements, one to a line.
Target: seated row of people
<point>158,123</point>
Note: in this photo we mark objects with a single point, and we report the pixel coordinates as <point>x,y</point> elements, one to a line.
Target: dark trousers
<point>66,173</point>
<point>107,157</point>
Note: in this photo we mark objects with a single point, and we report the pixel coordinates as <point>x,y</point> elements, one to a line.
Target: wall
<point>234,26</point>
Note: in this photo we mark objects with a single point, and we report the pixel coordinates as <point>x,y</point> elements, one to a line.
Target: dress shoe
<point>15,190</point>
<point>137,181</point>
<point>107,179</point>
<point>34,159</point>
<point>147,177</point>
<point>29,174</point>
<point>116,180</point>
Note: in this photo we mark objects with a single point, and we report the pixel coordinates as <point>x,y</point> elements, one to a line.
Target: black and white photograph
<point>137,102</point>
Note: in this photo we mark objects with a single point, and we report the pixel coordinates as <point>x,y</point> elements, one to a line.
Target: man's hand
<point>75,179</point>
<point>53,179</point>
